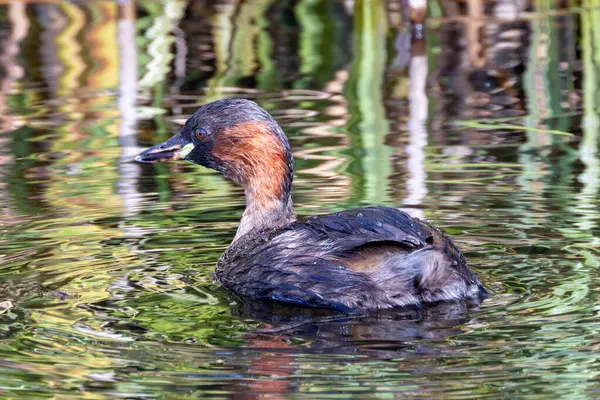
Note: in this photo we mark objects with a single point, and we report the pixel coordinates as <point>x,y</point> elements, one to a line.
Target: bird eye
<point>200,134</point>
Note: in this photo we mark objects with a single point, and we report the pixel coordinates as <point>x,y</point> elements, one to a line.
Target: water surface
<point>484,122</point>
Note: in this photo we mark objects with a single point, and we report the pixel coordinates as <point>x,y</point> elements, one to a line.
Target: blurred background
<point>480,116</point>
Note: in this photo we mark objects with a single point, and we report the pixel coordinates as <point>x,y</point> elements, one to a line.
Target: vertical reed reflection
<point>364,93</point>
<point>417,140</point>
<point>128,78</point>
<point>588,149</point>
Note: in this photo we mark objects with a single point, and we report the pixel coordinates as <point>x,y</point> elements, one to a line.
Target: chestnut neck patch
<point>257,156</point>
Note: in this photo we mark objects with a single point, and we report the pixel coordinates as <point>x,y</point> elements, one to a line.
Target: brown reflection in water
<point>267,361</point>
<point>485,88</point>
<point>11,72</point>
<point>273,357</point>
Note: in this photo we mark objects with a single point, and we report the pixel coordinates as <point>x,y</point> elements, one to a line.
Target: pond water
<point>484,120</point>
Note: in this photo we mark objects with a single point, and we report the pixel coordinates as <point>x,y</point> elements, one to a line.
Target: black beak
<point>172,149</point>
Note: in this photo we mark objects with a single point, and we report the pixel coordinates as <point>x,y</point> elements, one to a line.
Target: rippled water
<point>488,127</point>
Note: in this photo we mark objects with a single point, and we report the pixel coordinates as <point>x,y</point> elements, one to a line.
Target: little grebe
<point>362,259</point>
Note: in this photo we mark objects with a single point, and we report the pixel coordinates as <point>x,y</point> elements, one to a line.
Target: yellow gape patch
<point>187,149</point>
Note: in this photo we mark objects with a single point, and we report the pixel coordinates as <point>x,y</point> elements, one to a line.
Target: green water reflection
<point>488,127</point>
